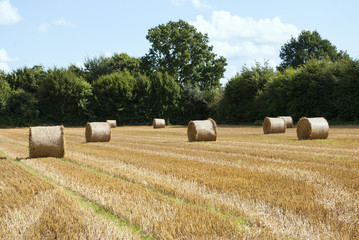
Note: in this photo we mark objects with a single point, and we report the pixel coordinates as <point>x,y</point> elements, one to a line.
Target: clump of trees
<point>318,88</point>
<point>308,45</point>
<point>179,80</point>
<point>314,79</point>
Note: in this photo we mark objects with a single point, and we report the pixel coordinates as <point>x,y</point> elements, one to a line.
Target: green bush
<point>113,95</point>
<point>64,98</point>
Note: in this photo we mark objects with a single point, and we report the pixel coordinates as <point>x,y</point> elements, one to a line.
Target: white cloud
<point>197,4</point>
<point>80,65</point>
<point>4,56</point>
<point>62,21</point>
<point>177,2</point>
<point>201,4</point>
<point>43,27</point>
<point>224,26</point>
<point>243,49</point>
<point>108,54</point>
<point>8,14</point>
<point>4,59</point>
<point>4,67</point>
<point>231,70</point>
<point>244,41</point>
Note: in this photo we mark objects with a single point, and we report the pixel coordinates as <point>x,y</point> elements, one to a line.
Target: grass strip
<point>16,144</point>
<point>100,210</point>
<point>242,222</point>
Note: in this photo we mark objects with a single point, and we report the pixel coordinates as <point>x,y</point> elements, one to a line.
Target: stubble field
<point>153,184</point>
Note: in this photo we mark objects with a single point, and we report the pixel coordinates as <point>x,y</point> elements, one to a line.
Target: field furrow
<point>156,214</point>
<point>275,185</point>
<point>31,208</point>
<point>262,214</point>
<point>260,183</point>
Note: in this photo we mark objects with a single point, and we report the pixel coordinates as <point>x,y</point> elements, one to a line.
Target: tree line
<point>179,80</point>
<point>319,88</point>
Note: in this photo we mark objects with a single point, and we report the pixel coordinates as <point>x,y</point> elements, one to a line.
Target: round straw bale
<point>312,128</point>
<point>288,121</point>
<point>46,142</point>
<point>98,132</point>
<point>202,130</point>
<point>159,123</point>
<point>112,123</point>
<point>273,125</point>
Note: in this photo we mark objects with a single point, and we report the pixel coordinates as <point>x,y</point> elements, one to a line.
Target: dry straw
<point>274,125</point>
<point>312,128</point>
<point>158,123</point>
<point>46,142</point>
<point>288,121</point>
<point>98,132</point>
<point>112,123</point>
<point>202,130</point>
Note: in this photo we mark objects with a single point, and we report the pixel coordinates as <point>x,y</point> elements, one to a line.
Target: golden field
<point>153,184</point>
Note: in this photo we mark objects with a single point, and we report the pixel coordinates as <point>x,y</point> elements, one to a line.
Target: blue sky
<point>62,32</point>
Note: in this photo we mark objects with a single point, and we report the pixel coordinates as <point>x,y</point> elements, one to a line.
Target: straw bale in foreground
<point>159,123</point>
<point>274,125</point>
<point>46,142</point>
<point>98,132</point>
<point>202,130</point>
<point>288,121</point>
<point>112,123</point>
<point>312,128</point>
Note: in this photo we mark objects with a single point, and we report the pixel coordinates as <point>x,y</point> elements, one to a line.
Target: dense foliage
<point>308,45</point>
<point>240,103</point>
<point>177,48</point>
<point>178,80</point>
<point>317,88</point>
<point>63,97</point>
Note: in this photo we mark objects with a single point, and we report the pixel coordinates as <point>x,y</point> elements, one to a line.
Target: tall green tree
<point>276,94</point>
<point>64,98</point>
<point>26,78</point>
<point>308,45</point>
<point>21,109</point>
<point>100,66</point>
<point>5,93</point>
<point>113,97</point>
<point>193,104</point>
<point>122,61</point>
<point>179,49</point>
<point>239,103</point>
<point>79,71</point>
<point>22,104</point>
<point>164,96</point>
<point>311,90</point>
<point>139,107</point>
<point>346,92</point>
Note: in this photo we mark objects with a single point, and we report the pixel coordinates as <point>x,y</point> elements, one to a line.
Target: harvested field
<point>244,185</point>
<point>31,208</point>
